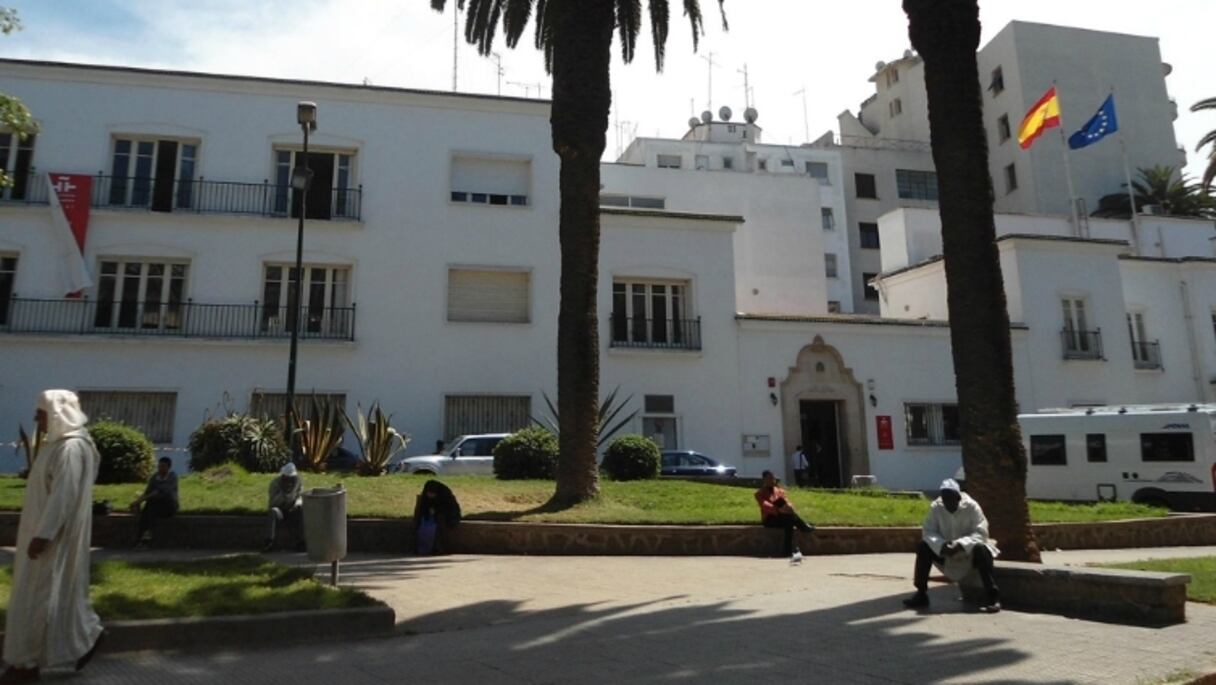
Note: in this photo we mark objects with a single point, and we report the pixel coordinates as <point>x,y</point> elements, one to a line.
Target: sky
<point>807,60</point>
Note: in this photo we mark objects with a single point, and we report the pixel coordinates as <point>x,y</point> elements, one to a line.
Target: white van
<point>1153,454</point>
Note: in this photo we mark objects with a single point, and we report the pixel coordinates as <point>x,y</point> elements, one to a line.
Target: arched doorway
<point>823,410</point>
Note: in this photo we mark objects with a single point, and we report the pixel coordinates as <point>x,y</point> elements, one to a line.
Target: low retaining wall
<point>395,536</point>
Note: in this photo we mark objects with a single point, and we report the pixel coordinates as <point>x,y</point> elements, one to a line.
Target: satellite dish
<point>707,116</point>
<point>1167,68</point>
<point>724,113</point>
<point>908,54</point>
<point>750,115</point>
<point>880,65</point>
<point>693,122</point>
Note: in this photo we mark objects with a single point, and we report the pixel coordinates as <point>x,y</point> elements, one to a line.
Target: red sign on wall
<point>74,192</point>
<point>886,438</point>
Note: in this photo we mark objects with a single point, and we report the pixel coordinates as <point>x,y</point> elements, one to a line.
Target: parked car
<point>470,455</point>
<point>688,463</point>
<point>342,460</point>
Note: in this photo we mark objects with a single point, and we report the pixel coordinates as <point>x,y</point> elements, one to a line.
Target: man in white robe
<point>50,620</point>
<point>955,538</point>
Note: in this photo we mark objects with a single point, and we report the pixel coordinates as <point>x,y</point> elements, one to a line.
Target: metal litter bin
<point>325,526</point>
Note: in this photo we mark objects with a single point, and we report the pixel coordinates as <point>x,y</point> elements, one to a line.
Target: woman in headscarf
<point>436,506</point>
<point>50,620</point>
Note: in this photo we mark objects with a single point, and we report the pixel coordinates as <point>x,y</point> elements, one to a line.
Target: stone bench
<point>1097,594</point>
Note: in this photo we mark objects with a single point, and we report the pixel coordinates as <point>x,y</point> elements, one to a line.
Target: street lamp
<point>301,178</point>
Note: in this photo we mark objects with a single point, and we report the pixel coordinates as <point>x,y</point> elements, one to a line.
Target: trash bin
<point>325,524</point>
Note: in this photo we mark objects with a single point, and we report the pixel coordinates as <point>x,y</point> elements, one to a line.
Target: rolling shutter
<point>488,295</point>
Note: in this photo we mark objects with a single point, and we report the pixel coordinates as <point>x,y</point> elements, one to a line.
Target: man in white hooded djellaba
<point>50,620</point>
<point>955,538</point>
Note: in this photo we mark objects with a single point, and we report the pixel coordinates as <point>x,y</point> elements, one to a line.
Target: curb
<point>274,629</point>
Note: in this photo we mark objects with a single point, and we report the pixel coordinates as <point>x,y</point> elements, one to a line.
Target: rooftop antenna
<point>455,42</point>
<point>528,87</point>
<point>806,124</point>
<point>709,60</point>
<point>747,89</point>
<point>498,64</point>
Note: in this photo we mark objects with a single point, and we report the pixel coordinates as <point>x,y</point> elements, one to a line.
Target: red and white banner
<point>70,196</point>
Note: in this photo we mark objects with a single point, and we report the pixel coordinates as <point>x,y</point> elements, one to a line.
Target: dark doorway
<point>166,172</point>
<point>320,201</point>
<point>821,441</point>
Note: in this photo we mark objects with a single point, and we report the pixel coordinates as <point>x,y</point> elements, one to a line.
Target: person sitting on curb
<point>435,506</point>
<point>159,501</point>
<point>776,512</point>
<point>285,503</point>
<point>955,539</point>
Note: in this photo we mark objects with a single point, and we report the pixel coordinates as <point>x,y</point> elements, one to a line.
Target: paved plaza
<point>492,619</point>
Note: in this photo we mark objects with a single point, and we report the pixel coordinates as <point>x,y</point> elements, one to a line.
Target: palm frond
<point>628,23</point>
<point>692,10</point>
<point>1206,103</point>
<point>660,20</point>
<point>1209,138</point>
<point>515,20</point>
<point>1209,174</point>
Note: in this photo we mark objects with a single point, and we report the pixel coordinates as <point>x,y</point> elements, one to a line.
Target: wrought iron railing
<point>203,196</point>
<point>185,319</point>
<point>663,334</point>
<point>1146,355</point>
<point>1082,344</point>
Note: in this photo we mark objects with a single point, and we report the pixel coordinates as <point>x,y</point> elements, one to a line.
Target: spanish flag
<point>1043,115</point>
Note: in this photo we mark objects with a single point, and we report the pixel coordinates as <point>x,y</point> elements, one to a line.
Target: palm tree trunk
<point>581,100</point>
<point>946,33</point>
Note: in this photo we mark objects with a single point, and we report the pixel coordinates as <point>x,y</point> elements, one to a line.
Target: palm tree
<point>1209,174</point>
<point>946,33</point>
<point>1163,187</point>
<point>576,39</point>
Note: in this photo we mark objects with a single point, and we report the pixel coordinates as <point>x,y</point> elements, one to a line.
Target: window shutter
<point>488,295</point>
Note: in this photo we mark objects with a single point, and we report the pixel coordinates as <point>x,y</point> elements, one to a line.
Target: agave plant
<point>378,441</point>
<point>319,433</point>
<point>30,446</point>
<point>604,426</point>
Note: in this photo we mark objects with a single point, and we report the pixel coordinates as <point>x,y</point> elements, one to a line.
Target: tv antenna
<point>709,60</point>
<point>455,42</point>
<point>747,89</point>
<point>806,126</point>
<point>498,65</point>
<point>539,86</point>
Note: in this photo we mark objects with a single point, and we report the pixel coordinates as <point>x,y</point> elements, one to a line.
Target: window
<point>762,164</point>
<point>866,187</point>
<point>827,218</point>
<point>16,159</point>
<point>869,235</point>
<point>273,405</point>
<point>1011,179</point>
<point>1145,354</point>
<point>1003,130</point>
<point>870,291</point>
<point>1167,447</point>
<point>829,265</point>
<point>892,76</point>
<point>787,164</point>
<point>150,412</point>
<point>701,162</point>
<point>153,173</point>
<point>728,162</point>
<point>916,185</point>
<point>652,314</point>
<point>8,278</point>
<point>324,300</point>
<point>140,294</point>
<point>659,422</point>
<point>669,161</point>
<point>1095,447</point>
<point>1079,341</point>
<point>490,180</point>
<point>489,295</point>
<point>477,414</point>
<point>819,171</point>
<point>895,107</point>
<point>833,306</point>
<point>997,84</point>
<point>931,424</point>
<point>332,191</point>
<point>1048,450</point>
<point>614,200</point>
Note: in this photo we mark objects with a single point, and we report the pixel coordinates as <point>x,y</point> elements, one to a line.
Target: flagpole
<point>1072,193</point>
<point>1131,192</point>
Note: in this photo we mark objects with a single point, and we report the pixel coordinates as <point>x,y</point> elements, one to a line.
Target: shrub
<point>255,444</point>
<point>631,457</point>
<point>127,455</point>
<point>529,454</point>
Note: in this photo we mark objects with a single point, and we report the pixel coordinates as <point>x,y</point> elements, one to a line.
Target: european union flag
<point>1101,125</point>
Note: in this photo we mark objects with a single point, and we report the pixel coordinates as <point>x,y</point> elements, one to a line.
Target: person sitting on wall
<point>955,539</point>
<point>285,503</point>
<point>159,500</point>
<point>776,512</point>
<point>435,506</point>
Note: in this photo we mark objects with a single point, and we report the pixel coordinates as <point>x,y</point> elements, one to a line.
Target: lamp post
<point>301,178</point>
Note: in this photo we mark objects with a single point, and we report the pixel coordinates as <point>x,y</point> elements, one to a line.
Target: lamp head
<point>306,114</point>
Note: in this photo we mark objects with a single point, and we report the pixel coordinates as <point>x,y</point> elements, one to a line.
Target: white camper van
<point>1152,454</point>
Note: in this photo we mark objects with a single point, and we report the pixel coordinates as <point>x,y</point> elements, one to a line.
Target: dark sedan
<point>688,463</point>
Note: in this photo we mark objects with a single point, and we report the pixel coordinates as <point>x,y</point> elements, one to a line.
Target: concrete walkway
<point>488,619</point>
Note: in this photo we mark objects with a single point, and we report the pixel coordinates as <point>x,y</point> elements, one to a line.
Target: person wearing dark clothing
<point>435,507</point>
<point>159,500</point>
<point>776,512</point>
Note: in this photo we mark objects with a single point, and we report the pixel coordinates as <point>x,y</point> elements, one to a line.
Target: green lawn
<point>1202,570</point>
<point>232,491</point>
<point>222,586</point>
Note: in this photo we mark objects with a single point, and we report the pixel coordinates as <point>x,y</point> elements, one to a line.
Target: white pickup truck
<point>470,455</point>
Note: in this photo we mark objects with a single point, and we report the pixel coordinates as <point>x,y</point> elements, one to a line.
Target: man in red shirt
<point>776,511</point>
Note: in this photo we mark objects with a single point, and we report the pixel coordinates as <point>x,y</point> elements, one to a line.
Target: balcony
<point>1081,344</point>
<point>1146,355</point>
<point>655,334</point>
<point>202,196</point>
<point>186,319</point>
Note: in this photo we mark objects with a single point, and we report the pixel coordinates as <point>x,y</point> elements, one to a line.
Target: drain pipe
<point>1192,342</point>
